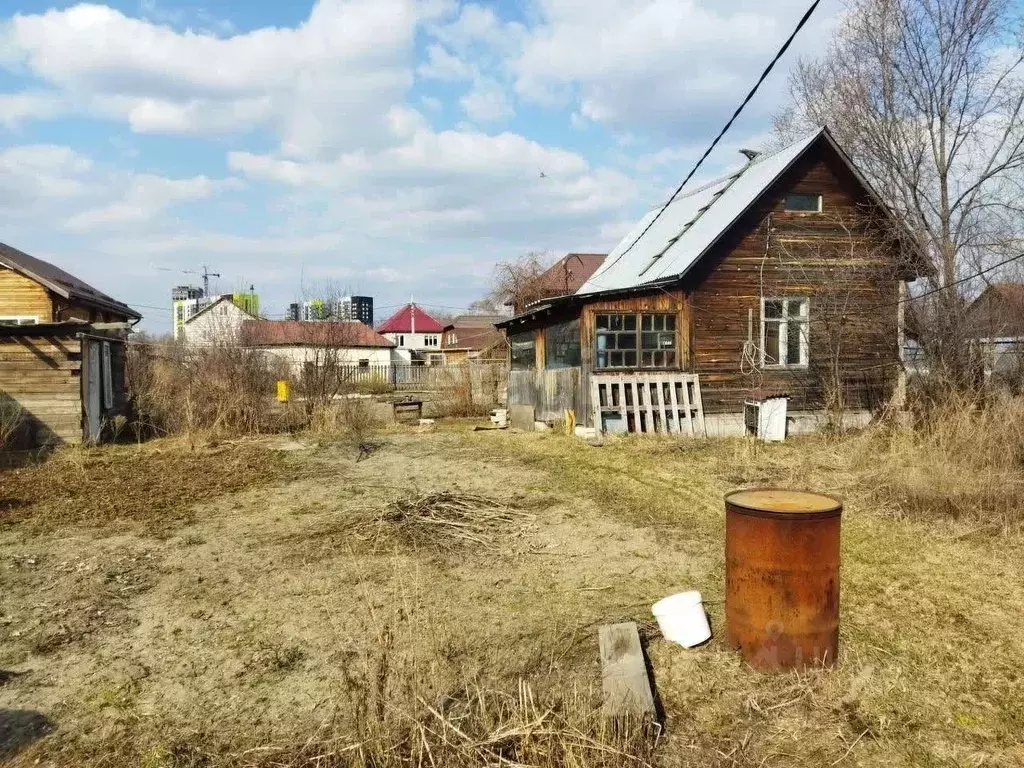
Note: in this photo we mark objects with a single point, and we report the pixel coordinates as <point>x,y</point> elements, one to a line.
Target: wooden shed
<point>782,278</point>
<point>62,354</point>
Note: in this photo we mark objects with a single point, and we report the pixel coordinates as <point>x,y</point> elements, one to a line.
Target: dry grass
<point>961,459</point>
<point>156,485</point>
<point>440,521</point>
<point>222,388</point>
<point>274,637</point>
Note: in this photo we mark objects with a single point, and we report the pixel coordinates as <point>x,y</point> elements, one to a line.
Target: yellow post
<point>570,422</point>
<point>283,390</point>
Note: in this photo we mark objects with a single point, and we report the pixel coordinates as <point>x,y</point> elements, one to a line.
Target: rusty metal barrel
<point>782,577</point>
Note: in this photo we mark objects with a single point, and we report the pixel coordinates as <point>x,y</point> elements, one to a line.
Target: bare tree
<point>331,352</point>
<point>521,282</point>
<point>927,96</point>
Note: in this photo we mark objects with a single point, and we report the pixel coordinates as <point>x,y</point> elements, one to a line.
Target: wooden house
<point>782,278</point>
<point>62,353</point>
<point>473,338</point>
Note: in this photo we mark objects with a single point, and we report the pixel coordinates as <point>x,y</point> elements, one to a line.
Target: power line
<point>728,125</point>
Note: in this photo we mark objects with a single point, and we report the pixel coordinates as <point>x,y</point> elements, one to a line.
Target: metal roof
<point>691,224</point>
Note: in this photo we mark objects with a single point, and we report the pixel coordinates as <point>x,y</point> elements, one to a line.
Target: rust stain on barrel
<point>782,577</point>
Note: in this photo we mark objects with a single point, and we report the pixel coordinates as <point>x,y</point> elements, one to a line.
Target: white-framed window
<point>108,379</point>
<point>20,320</point>
<point>798,202</point>
<point>431,340</point>
<point>452,339</point>
<point>400,340</point>
<point>785,333</point>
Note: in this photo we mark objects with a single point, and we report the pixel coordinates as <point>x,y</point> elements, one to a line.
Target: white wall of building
<point>220,323</point>
<point>416,341</point>
<point>297,356</point>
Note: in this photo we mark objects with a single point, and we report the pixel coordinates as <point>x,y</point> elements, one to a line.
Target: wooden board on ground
<point>521,417</point>
<point>627,688</point>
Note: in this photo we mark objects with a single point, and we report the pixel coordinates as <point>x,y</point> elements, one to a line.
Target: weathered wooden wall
<point>21,297</point>
<point>848,271</point>
<point>43,376</point>
<point>550,392</point>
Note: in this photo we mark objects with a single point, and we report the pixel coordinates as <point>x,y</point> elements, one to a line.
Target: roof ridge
<point>739,170</point>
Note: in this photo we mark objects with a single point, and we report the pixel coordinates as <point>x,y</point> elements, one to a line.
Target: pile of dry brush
<point>443,521</point>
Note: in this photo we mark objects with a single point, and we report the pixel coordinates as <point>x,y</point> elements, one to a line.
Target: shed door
<point>93,403</point>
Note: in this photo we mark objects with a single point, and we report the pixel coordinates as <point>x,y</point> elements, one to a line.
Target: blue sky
<point>392,147</point>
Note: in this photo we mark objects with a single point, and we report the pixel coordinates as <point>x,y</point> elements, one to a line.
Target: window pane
<point>647,359</point>
<point>794,330</point>
<point>670,322</point>
<point>670,359</point>
<point>630,323</point>
<point>627,341</point>
<point>803,203</point>
<point>771,343</point>
<point>667,341</point>
<point>649,340</point>
<point>773,309</point>
<point>602,359</point>
<point>629,359</point>
<point>562,345</point>
<point>524,351</point>
<point>602,322</point>
<point>797,308</point>
<point>615,322</point>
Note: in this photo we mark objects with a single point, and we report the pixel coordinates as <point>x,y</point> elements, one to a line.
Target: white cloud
<point>16,108</point>
<point>442,65</point>
<point>671,66</point>
<point>145,197</point>
<point>452,184</point>
<point>349,58</point>
<point>38,177</point>
<point>487,101</point>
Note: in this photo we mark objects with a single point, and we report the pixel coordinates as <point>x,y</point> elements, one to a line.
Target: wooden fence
<point>481,378</point>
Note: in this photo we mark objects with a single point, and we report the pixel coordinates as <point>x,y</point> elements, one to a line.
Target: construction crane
<point>206,274</point>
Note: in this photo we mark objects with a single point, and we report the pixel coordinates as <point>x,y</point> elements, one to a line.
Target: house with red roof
<point>415,334</point>
<point>300,343</point>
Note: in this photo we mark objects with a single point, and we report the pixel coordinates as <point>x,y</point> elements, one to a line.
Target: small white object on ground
<point>682,619</point>
<point>587,433</point>
<point>426,422</point>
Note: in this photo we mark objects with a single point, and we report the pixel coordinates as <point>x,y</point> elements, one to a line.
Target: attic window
<point>801,203</point>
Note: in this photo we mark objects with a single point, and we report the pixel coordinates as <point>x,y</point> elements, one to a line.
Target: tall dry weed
<point>223,389</point>
<point>960,458</point>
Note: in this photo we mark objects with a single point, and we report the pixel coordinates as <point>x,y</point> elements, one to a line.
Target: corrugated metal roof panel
<point>691,224</point>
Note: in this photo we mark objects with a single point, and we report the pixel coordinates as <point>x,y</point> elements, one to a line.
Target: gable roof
<point>569,273</point>
<point>473,332</point>
<point>312,333</point>
<point>998,312</point>
<point>216,302</point>
<point>64,284</point>
<point>692,223</point>
<point>402,321</point>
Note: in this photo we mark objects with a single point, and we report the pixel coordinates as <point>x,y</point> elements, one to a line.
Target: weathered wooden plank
<point>676,426</point>
<point>698,404</point>
<point>637,424</point>
<point>687,406</point>
<point>647,402</point>
<point>522,417</point>
<point>624,680</point>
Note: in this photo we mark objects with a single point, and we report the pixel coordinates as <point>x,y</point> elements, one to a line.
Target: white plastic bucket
<point>682,619</point>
